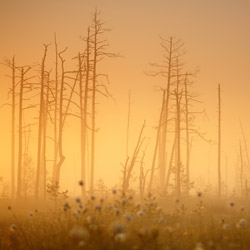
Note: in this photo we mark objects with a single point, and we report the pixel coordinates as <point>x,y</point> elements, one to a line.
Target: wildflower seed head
<point>81,183</point>
<point>225,226</point>
<point>120,237</point>
<point>128,217</point>
<point>124,202</point>
<point>66,206</point>
<point>140,213</point>
<point>138,205</point>
<point>199,246</point>
<point>162,220</point>
<point>98,208</point>
<point>199,194</point>
<point>169,229</point>
<point>78,200</point>
<point>90,219</point>
<point>85,210</point>
<point>12,227</point>
<point>232,204</point>
<point>241,223</point>
<point>117,227</point>
<point>79,233</point>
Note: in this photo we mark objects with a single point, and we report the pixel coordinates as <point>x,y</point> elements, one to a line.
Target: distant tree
<point>41,121</point>
<point>23,84</point>
<point>99,52</point>
<point>130,164</point>
<point>172,52</point>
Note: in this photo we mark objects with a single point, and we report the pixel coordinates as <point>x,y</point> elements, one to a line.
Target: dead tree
<point>156,143</point>
<point>13,124</point>
<point>187,132</point>
<point>84,97</point>
<point>98,48</point>
<point>22,86</point>
<point>129,165</point>
<point>61,114</point>
<point>40,124</point>
<point>45,124</point>
<point>12,65</point>
<point>178,96</point>
<point>55,139</point>
<point>172,51</point>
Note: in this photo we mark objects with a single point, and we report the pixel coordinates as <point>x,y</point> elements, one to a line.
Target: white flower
<point>79,233</point>
<point>225,226</point>
<point>199,246</point>
<point>241,223</point>
<point>120,237</point>
<point>90,219</point>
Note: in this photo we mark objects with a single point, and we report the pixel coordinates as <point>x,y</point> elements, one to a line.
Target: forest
<point>55,107</point>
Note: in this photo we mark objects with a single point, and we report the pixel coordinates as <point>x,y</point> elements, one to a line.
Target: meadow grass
<point>118,222</point>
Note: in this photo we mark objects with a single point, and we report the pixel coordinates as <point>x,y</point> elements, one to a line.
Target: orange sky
<point>216,35</point>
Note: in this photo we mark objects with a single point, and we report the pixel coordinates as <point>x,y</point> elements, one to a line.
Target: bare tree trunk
<point>178,96</point>
<point>163,135</point>
<point>177,149</point>
<point>13,124</point>
<point>131,165</point>
<point>170,164</point>
<point>40,126</point>
<point>84,113</point>
<point>156,143</point>
<point>55,115</point>
<point>20,136</point>
<point>94,76</point>
<point>60,132</point>
<point>187,134</point>
<point>219,141</point>
<point>44,160</point>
